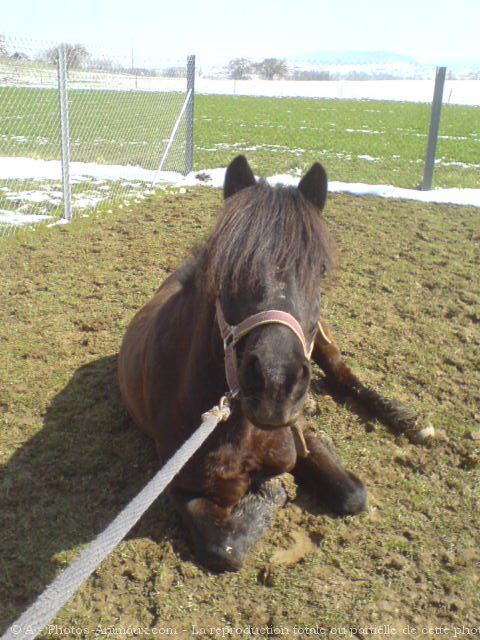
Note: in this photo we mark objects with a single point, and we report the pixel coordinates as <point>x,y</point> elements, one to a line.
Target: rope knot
<point>220,411</point>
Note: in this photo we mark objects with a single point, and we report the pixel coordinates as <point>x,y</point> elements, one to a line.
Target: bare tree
<point>76,54</point>
<point>272,68</point>
<point>239,69</point>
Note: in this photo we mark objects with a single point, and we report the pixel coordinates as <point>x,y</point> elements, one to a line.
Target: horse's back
<point>146,341</point>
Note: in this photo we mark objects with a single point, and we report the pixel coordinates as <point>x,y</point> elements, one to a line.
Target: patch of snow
<point>463,165</point>
<point>455,92</point>
<point>86,202</point>
<point>368,131</point>
<point>453,137</point>
<point>33,196</point>
<point>17,219</point>
<point>18,168</point>
<point>419,90</point>
<point>368,158</point>
<point>27,168</point>
<point>470,197</point>
<point>59,223</point>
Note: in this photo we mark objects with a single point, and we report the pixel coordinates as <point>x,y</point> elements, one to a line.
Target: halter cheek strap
<point>231,334</point>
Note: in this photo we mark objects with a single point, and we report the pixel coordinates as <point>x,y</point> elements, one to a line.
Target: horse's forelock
<point>262,229</point>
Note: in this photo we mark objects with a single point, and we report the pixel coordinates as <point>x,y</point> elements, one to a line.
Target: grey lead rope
<point>47,605</point>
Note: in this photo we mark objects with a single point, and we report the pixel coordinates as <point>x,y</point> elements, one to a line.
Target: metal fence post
<point>64,132</point>
<point>189,115</point>
<point>433,131</point>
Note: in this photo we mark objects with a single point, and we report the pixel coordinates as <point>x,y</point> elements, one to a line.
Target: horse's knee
<point>222,536</point>
<point>339,490</point>
<point>351,497</point>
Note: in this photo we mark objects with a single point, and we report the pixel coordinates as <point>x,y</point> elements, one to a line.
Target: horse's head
<point>269,252</point>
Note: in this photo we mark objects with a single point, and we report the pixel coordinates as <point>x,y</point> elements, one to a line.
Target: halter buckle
<point>228,341</point>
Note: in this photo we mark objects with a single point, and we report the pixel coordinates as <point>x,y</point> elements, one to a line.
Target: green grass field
<point>358,141</point>
<point>108,127</point>
<point>404,308</point>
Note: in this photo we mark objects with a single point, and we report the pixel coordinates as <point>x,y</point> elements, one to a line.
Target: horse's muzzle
<point>272,394</point>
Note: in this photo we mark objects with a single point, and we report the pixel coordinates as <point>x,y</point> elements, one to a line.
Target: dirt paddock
<point>404,306</point>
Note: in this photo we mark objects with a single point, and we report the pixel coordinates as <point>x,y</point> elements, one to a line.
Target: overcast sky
<point>217,30</point>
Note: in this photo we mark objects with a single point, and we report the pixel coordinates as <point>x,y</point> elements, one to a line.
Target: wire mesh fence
<point>29,129</point>
<point>121,112</point>
<point>369,141</point>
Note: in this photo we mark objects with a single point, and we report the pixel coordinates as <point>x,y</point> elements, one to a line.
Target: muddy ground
<point>404,306</point>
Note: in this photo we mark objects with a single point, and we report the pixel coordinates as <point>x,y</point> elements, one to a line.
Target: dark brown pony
<point>269,250</point>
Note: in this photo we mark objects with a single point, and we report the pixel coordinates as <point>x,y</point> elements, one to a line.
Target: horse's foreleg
<point>322,472</point>
<point>391,412</point>
<point>222,536</point>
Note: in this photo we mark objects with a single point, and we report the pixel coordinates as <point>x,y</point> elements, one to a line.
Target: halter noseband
<point>231,334</point>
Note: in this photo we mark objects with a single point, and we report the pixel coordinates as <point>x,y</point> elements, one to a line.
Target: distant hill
<point>463,64</point>
<point>352,58</point>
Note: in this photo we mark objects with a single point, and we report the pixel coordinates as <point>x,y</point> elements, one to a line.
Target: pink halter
<point>232,334</point>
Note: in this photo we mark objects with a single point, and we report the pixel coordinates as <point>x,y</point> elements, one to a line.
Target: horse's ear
<point>313,185</point>
<point>238,176</point>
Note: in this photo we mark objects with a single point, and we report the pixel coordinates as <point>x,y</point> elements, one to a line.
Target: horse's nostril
<point>299,381</point>
<point>304,372</point>
<point>254,374</point>
<point>253,364</point>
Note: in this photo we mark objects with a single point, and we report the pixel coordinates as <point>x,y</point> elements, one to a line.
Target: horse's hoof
<point>220,559</point>
<point>352,500</point>
<point>419,436</point>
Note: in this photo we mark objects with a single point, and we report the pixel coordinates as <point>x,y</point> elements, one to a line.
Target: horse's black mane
<point>264,228</point>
